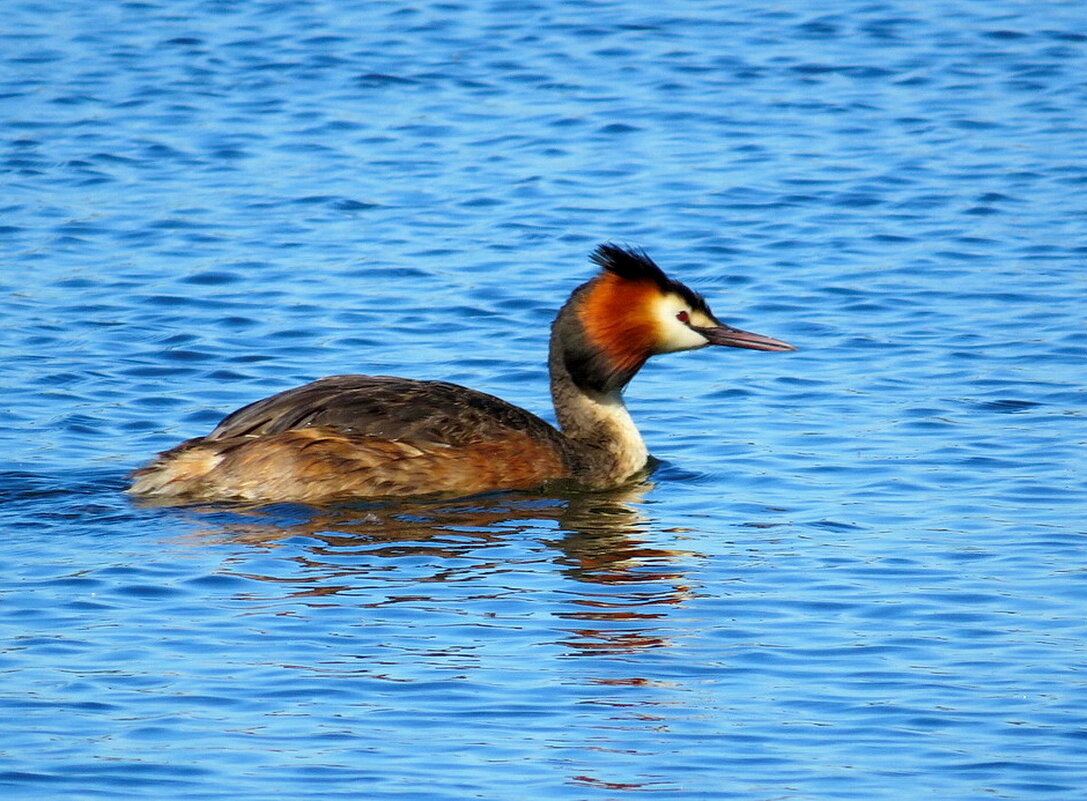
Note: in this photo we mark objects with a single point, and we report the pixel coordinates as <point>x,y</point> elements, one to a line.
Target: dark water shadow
<point>594,560</point>
<point>598,554</point>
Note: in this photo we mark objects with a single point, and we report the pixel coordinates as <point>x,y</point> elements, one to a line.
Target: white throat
<point>626,441</point>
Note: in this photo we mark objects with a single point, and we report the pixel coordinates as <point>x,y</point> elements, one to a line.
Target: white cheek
<point>677,336</point>
<point>672,335</point>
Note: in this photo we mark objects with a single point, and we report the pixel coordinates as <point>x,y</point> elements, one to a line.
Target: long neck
<point>597,423</point>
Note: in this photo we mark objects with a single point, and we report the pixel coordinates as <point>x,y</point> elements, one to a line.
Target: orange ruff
<point>610,319</point>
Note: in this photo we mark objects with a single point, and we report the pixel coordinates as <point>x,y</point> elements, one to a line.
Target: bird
<point>346,437</point>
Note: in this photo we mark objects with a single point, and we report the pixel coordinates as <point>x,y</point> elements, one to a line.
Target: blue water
<point>860,570</point>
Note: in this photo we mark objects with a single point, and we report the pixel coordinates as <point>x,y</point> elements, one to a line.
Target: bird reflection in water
<point>622,586</point>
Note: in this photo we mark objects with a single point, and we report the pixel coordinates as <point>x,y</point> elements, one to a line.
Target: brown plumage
<point>353,436</point>
<point>358,436</point>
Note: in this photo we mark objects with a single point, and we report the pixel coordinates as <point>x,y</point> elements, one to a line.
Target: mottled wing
<point>401,409</point>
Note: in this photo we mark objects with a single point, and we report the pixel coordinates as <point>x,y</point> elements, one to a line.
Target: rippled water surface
<point>860,570</point>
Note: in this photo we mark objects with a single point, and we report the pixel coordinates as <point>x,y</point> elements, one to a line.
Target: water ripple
<point>855,568</point>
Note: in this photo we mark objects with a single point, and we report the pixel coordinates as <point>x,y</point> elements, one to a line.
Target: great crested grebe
<point>355,436</point>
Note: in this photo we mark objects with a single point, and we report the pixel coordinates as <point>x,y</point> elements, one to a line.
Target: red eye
<point>683,317</point>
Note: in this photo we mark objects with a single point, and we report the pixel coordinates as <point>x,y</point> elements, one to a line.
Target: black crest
<point>634,264</point>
